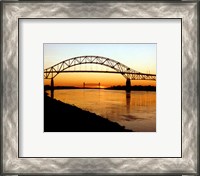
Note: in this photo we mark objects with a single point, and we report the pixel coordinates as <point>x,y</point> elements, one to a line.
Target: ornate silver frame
<point>13,10</point>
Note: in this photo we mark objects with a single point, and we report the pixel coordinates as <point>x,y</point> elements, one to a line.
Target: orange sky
<point>140,57</point>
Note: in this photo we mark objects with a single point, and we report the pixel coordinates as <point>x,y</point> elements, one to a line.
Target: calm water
<point>135,110</point>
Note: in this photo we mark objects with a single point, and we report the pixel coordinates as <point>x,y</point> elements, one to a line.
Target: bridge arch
<point>128,73</point>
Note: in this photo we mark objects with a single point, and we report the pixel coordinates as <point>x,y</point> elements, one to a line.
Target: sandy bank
<point>61,117</point>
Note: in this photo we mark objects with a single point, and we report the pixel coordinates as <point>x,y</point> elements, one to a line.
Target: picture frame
<point>11,163</point>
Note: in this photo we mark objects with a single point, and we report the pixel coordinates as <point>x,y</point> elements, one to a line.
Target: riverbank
<point>134,88</point>
<point>62,117</point>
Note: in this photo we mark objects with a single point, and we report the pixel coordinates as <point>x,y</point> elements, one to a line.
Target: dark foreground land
<point>61,117</point>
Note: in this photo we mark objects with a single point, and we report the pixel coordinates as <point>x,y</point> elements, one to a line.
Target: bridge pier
<point>52,88</point>
<point>128,85</point>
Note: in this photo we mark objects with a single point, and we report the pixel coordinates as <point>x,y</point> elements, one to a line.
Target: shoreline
<point>133,88</point>
<point>63,117</point>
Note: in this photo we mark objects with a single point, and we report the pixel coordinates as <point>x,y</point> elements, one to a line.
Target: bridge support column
<point>128,85</point>
<point>52,88</point>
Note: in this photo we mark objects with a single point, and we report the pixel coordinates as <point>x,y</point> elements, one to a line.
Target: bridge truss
<point>117,67</point>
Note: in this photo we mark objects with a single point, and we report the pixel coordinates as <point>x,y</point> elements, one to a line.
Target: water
<point>135,110</point>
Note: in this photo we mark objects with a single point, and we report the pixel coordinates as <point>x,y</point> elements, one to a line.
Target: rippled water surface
<point>135,110</point>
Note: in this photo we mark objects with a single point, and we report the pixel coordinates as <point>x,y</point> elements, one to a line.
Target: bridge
<point>117,67</point>
<point>91,84</point>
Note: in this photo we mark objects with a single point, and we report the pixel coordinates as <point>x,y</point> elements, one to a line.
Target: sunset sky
<point>140,57</point>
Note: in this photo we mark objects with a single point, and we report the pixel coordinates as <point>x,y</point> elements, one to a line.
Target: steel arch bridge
<point>128,73</point>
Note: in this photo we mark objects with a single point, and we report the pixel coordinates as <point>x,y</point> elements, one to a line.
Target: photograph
<point>99,87</point>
